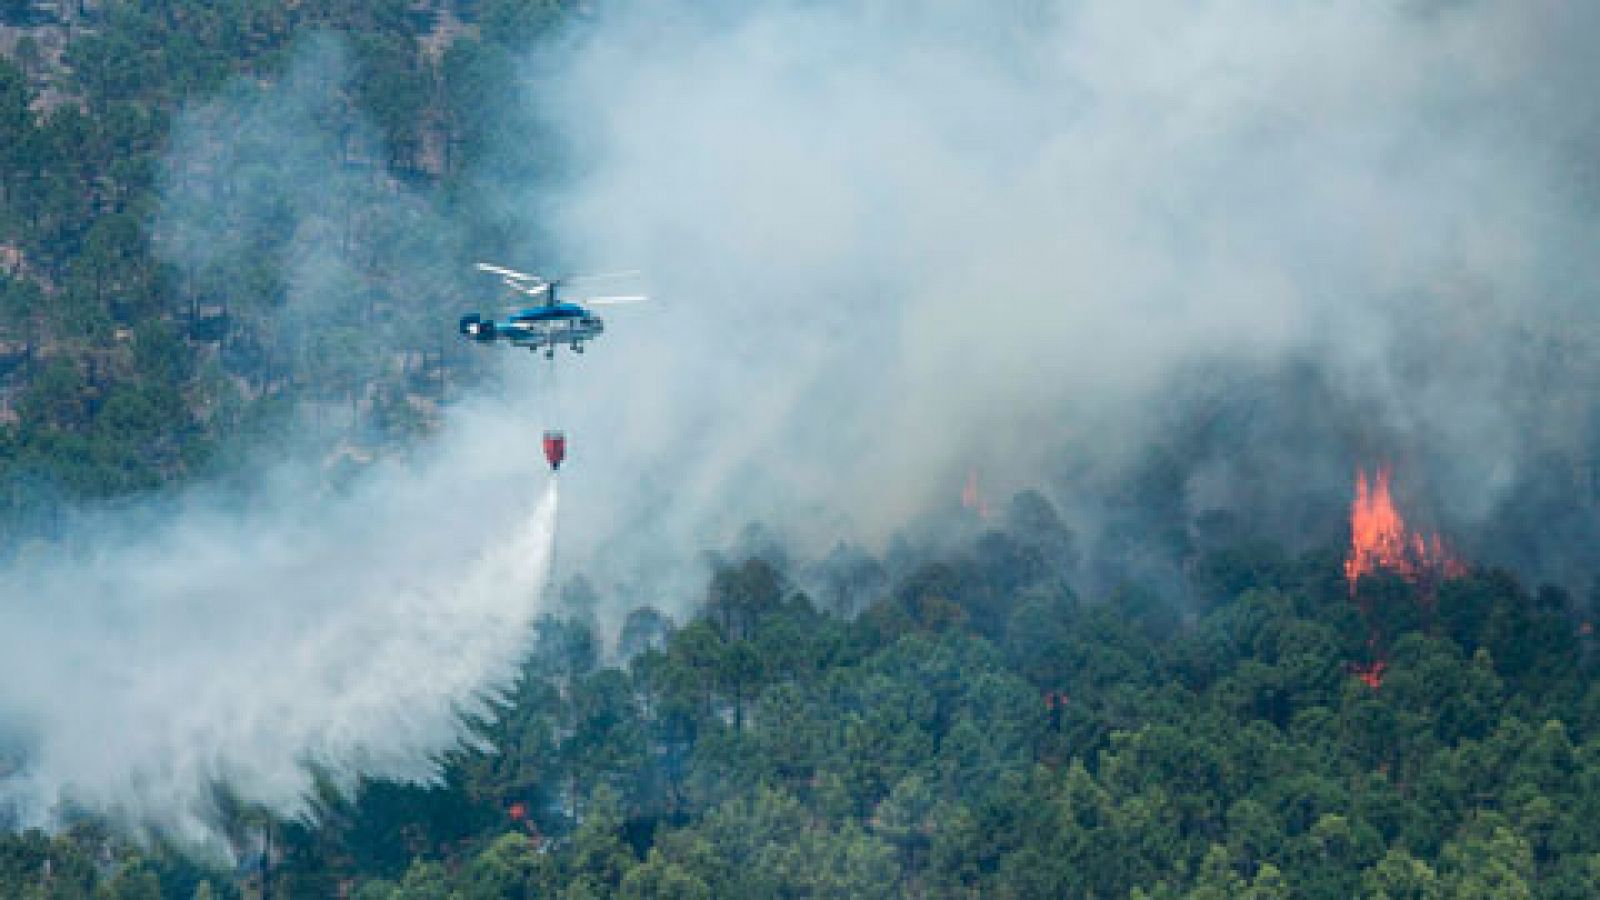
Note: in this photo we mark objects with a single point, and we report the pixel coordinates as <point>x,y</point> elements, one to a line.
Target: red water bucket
<point>555,448</point>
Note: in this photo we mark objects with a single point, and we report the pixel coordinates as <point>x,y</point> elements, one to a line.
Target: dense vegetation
<point>956,723</point>
<point>126,363</point>
<point>978,730</point>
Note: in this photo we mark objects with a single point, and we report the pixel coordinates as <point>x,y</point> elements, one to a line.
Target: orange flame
<point>1379,539</point>
<point>972,498</point>
<point>1370,674</point>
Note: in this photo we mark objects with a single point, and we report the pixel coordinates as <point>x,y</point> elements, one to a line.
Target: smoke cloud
<point>346,633</point>
<point>1041,239</point>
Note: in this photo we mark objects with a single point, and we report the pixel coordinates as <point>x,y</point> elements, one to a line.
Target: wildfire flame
<point>1370,674</point>
<point>972,498</point>
<point>1379,539</point>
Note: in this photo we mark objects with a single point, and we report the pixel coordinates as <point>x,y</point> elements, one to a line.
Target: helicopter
<point>549,324</point>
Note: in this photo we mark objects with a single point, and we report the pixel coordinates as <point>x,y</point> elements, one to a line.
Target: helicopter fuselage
<point>538,327</point>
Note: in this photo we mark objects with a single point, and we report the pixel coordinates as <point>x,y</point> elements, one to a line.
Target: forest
<point>978,730</point>
<point>963,719</point>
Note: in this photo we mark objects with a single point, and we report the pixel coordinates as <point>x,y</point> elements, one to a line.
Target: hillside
<point>1003,499</point>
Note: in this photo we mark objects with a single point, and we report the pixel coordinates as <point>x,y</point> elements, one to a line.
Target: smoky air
<point>1167,264</point>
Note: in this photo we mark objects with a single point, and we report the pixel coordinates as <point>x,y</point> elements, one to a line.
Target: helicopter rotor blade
<point>596,276</point>
<point>532,290</point>
<point>617,300</point>
<point>509,275</point>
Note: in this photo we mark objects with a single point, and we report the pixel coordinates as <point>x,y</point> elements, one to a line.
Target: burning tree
<point>1381,542</point>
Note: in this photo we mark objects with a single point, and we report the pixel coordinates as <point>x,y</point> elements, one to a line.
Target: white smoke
<point>347,634</point>
<point>891,243</point>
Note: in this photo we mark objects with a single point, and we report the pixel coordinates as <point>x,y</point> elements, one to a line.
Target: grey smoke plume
<point>890,244</point>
